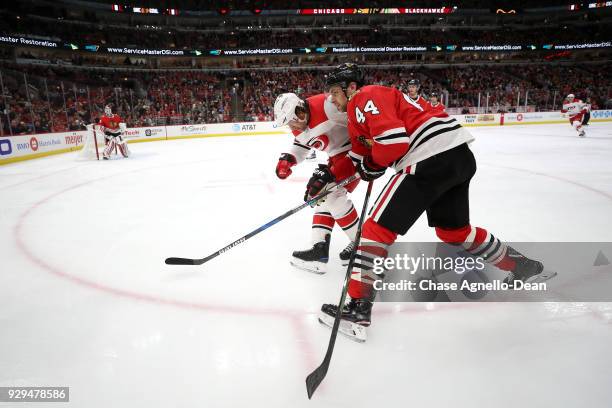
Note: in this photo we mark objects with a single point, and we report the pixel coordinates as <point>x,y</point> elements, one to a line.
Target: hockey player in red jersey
<point>414,85</point>
<point>317,124</point>
<point>435,106</point>
<point>432,166</point>
<point>575,109</point>
<point>113,128</point>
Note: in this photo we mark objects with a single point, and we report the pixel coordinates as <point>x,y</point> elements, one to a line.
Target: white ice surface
<point>86,300</point>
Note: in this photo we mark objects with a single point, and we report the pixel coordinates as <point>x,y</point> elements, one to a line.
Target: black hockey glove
<point>320,178</point>
<point>368,170</point>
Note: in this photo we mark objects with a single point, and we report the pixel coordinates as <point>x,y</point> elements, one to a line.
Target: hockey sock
<point>348,222</point>
<point>322,224</point>
<point>375,241</point>
<point>480,243</point>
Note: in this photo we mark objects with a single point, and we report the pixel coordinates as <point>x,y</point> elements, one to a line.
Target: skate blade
<point>314,267</point>
<point>351,330</point>
<point>542,277</point>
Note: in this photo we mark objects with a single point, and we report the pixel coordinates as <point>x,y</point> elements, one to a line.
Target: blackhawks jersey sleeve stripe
<point>393,139</point>
<point>432,137</point>
<point>356,158</point>
<point>390,132</point>
<point>424,140</point>
<point>429,126</point>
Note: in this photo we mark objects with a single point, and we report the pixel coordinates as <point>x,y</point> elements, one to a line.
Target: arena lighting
<point>145,10</point>
<point>224,11</point>
<point>600,4</point>
<point>501,11</point>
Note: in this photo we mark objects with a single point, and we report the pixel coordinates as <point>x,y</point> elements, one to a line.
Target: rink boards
<point>26,147</point>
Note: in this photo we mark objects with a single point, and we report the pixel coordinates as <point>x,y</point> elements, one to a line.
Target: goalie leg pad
<point>110,145</point>
<point>123,148</point>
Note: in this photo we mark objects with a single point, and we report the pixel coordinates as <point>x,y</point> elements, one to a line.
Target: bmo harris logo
<point>31,145</point>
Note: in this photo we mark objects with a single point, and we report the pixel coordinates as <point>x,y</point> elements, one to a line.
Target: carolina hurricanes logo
<point>319,142</point>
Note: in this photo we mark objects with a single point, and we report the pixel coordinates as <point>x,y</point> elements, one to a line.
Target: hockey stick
<point>315,378</point>
<point>312,201</point>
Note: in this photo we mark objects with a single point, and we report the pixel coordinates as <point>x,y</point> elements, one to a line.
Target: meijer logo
<point>75,140</point>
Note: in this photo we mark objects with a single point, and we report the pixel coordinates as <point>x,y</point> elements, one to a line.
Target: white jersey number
<point>368,108</point>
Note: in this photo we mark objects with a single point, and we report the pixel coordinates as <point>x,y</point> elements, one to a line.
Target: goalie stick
<point>315,378</point>
<point>312,201</point>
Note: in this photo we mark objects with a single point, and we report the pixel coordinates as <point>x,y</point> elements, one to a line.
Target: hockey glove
<point>285,162</point>
<point>368,170</point>
<point>320,178</point>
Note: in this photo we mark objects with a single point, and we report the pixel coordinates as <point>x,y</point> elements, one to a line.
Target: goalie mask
<point>287,107</point>
<point>108,111</point>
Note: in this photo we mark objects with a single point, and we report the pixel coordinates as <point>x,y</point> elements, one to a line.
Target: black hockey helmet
<point>415,82</point>
<point>434,94</point>
<point>343,75</point>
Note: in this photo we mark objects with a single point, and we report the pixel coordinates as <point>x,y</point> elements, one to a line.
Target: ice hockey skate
<point>345,255</point>
<point>527,270</point>
<point>354,320</point>
<point>313,259</point>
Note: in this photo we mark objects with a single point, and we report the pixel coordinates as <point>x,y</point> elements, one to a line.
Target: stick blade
<point>315,378</point>
<point>181,261</point>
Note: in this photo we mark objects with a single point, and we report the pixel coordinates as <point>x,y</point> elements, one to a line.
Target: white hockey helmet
<point>285,106</point>
<point>108,110</point>
<point>571,96</point>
